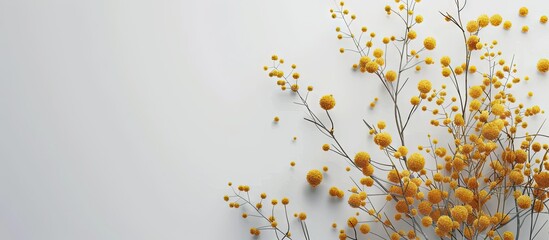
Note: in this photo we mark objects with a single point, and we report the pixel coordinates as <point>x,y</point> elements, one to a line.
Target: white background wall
<point>126,119</point>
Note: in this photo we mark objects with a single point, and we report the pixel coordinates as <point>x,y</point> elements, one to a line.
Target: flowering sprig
<point>489,172</point>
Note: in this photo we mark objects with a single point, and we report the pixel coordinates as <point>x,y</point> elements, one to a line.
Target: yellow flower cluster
<point>458,184</point>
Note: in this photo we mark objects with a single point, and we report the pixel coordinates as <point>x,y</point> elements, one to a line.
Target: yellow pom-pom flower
<point>492,129</point>
<point>543,65</point>
<point>314,177</point>
<point>459,213</point>
<point>524,202</point>
<point>496,20</point>
<point>429,43</point>
<point>424,86</point>
<point>416,162</point>
<point>523,11</point>
<point>364,228</point>
<point>472,26</point>
<point>354,200</point>
<point>362,159</point>
<point>383,139</point>
<point>327,102</point>
<point>445,223</point>
<point>464,194</point>
<point>391,76</point>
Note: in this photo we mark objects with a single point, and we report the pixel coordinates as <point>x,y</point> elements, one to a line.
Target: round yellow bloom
<point>434,196</point>
<point>355,200</point>
<point>314,177</point>
<point>446,72</point>
<point>445,223</point>
<point>459,213</point>
<point>391,76</point>
<point>523,11</point>
<point>362,159</point>
<point>472,26</point>
<point>464,194</point>
<point>458,120</point>
<point>424,86</point>
<point>496,20</point>
<point>425,207</point>
<point>327,102</point>
<point>445,61</point>
<point>416,162</point>
<point>378,53</point>
<point>524,202</point>
<point>542,179</point>
<point>543,19</point>
<point>492,129</point>
<point>352,222</point>
<point>475,91</point>
<point>429,43</point>
<point>326,147</point>
<point>412,34</point>
<point>508,235</point>
<point>364,228</point>
<point>334,191</point>
<point>426,221</point>
<point>383,139</point>
<point>516,177</point>
<point>372,67</point>
<point>498,109</point>
<point>507,25</point>
<point>483,20</point>
<point>543,65</point>
<point>415,100</point>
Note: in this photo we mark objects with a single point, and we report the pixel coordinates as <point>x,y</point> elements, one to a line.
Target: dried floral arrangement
<point>484,179</point>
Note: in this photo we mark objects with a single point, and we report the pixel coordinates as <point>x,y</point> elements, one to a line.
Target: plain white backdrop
<point>125,119</point>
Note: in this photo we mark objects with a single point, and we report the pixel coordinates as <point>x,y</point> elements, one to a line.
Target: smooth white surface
<point>125,119</point>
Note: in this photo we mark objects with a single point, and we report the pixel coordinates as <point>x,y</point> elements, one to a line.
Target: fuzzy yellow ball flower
<point>415,100</point>
<point>429,43</point>
<point>508,235</point>
<point>542,179</point>
<point>483,20</point>
<point>416,162</point>
<point>355,200</point>
<point>383,139</point>
<point>524,202</point>
<point>426,221</point>
<point>391,76</point>
<point>543,65</point>
<point>362,159</point>
<point>372,67</point>
<point>434,196</point>
<point>543,19</point>
<point>314,177</point>
<point>412,34</point>
<point>459,213</point>
<point>475,91</point>
<point>352,222</point>
<point>326,147</point>
<point>472,26</point>
<point>496,20</point>
<point>378,53</point>
<point>516,177</point>
<point>458,120</point>
<point>327,102</point>
<point>445,223</point>
<point>523,11</point>
<point>364,228</point>
<point>464,194</point>
<point>424,86</point>
<point>507,25</point>
<point>492,129</point>
<point>445,61</point>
